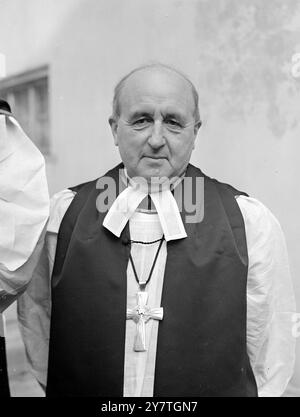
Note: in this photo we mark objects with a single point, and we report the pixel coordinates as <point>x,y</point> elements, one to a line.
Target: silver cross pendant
<point>140,314</point>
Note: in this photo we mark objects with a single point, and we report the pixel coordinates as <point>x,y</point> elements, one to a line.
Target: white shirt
<point>270,299</point>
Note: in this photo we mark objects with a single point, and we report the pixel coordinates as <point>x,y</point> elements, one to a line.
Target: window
<point>28,97</point>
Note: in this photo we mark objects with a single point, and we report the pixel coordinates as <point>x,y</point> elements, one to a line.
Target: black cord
<point>143,285</point>
<point>145,243</point>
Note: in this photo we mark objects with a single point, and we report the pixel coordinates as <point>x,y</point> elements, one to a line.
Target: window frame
<point>28,81</point>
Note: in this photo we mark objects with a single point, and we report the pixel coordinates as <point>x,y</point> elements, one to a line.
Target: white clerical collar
<point>128,201</point>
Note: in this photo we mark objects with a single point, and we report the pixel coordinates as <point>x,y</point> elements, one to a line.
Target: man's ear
<point>196,130</point>
<point>197,127</point>
<point>114,129</point>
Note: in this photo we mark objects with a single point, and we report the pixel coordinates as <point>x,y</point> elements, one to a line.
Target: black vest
<point>201,347</point>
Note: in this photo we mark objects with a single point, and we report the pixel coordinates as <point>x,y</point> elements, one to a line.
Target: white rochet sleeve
<point>24,197</point>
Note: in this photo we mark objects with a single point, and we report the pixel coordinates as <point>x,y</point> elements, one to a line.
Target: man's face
<point>156,129</point>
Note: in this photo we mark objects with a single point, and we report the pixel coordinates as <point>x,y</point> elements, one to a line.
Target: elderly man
<point>145,300</point>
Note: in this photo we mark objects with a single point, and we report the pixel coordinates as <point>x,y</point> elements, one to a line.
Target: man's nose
<point>156,139</point>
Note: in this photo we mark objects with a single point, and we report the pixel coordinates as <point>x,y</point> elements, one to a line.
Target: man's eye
<point>173,123</point>
<point>142,122</point>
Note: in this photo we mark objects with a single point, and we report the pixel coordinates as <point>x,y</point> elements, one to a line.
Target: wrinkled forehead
<point>157,87</point>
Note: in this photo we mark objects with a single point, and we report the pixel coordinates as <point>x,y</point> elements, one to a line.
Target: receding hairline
<point>153,67</point>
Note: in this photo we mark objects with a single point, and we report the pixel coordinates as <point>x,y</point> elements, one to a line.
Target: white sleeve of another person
<point>34,306</point>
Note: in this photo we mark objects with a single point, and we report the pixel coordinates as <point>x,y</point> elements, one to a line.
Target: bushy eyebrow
<point>139,114</point>
<point>167,116</point>
<point>175,116</point>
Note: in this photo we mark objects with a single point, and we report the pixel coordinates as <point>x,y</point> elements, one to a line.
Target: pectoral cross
<point>140,314</point>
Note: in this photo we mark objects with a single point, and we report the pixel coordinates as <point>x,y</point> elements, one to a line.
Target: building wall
<point>238,53</point>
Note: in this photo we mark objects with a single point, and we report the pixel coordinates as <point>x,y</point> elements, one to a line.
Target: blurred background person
<point>24,210</point>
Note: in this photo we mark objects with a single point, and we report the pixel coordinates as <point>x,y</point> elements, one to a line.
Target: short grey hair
<point>121,83</point>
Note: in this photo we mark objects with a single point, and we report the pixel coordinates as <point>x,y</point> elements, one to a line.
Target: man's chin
<point>151,169</point>
<point>154,175</point>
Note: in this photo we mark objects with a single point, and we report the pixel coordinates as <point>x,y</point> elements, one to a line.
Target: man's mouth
<point>154,157</point>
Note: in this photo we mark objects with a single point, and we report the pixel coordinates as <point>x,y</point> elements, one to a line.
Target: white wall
<point>238,53</point>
